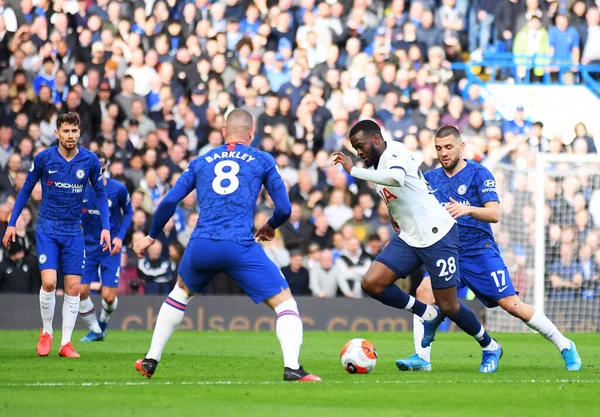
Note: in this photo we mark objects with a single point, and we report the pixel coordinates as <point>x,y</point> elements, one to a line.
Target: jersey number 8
<point>221,176</point>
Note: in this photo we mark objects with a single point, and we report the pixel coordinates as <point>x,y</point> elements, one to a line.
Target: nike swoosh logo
<point>503,288</point>
<point>450,277</point>
<point>434,190</point>
<point>85,201</point>
<point>52,172</point>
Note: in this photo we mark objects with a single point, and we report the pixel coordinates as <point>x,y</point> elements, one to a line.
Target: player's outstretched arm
<point>283,208</point>
<point>97,182</point>
<point>34,175</point>
<point>127,210</point>
<point>165,210</point>
<point>391,177</point>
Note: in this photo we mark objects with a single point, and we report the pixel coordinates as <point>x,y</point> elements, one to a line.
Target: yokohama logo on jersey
<point>75,188</point>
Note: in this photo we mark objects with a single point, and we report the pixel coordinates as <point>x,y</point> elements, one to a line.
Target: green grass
<point>239,374</point>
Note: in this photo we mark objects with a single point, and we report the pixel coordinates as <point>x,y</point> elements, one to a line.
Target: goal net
<point>549,237</point>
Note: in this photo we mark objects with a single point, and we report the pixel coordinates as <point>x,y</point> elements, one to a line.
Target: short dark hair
<point>67,118</point>
<point>101,155</point>
<point>366,126</point>
<point>446,131</point>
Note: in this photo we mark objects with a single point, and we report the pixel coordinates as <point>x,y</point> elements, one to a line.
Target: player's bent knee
<point>279,298</point>
<point>425,293</point>
<point>84,292</point>
<point>184,287</point>
<point>377,279</point>
<point>109,297</point>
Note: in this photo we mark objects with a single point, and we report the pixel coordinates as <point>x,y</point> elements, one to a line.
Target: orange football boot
<point>45,344</point>
<point>68,351</point>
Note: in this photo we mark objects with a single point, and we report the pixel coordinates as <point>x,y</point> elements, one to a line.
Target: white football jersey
<point>422,220</point>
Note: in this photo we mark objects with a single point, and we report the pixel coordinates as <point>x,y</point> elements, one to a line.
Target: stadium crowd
<point>153,81</point>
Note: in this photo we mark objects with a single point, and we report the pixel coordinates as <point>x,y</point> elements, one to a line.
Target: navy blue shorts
<point>101,266</point>
<point>58,252</point>
<point>248,266</point>
<point>486,275</point>
<point>440,259</point>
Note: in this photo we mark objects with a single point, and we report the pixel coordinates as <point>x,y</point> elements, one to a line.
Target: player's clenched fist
<point>344,160</point>
<point>9,236</point>
<point>141,245</point>
<point>265,233</point>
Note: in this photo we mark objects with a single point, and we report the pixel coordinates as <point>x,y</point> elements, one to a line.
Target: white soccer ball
<point>358,356</point>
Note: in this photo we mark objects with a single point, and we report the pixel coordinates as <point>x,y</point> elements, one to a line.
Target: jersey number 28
<point>228,178</point>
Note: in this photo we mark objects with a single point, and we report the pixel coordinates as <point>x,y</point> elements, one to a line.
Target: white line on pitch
<point>390,382</point>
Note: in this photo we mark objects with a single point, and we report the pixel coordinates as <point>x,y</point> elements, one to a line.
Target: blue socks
<point>393,296</point>
<point>468,322</point>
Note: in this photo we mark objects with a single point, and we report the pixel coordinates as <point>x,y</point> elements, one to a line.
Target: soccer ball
<point>358,356</point>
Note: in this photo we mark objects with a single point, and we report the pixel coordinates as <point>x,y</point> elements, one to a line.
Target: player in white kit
<point>428,236</point>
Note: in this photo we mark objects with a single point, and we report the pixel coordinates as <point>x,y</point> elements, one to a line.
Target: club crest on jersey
<point>43,259</point>
<point>80,174</point>
<point>462,189</point>
<point>395,155</point>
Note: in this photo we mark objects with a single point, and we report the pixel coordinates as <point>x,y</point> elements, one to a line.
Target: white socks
<point>170,315</point>
<point>289,332</point>
<point>88,314</point>
<point>430,313</point>
<point>47,305</point>
<point>546,328</point>
<point>108,310</point>
<point>418,332</point>
<point>70,311</point>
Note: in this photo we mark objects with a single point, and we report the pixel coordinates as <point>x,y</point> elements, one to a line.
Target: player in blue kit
<point>468,192</point>
<point>64,171</point>
<point>99,263</point>
<point>428,236</point>
<point>227,181</point>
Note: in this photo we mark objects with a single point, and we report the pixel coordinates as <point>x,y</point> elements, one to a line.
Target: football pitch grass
<point>240,374</point>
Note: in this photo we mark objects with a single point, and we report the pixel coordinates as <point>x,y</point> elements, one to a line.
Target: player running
<point>429,236</point>
<point>227,181</point>
<point>100,264</point>
<point>468,192</point>
<point>64,170</point>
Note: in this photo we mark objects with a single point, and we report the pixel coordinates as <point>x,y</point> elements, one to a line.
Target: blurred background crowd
<point>153,82</point>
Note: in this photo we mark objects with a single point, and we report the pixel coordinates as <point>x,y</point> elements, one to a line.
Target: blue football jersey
<point>228,180</point>
<point>473,186</point>
<point>63,183</point>
<point>120,212</point>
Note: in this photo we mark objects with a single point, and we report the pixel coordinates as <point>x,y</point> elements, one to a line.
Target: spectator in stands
<point>581,132</point>
<point>17,273</point>
<point>531,40</point>
<point>296,275</point>
<point>481,20</point>
<point>591,44</point>
<point>155,269</point>
<point>357,263</point>
<point>564,43</point>
<point>566,275</point>
<point>326,277</point>
<point>450,19</point>
<point>297,232</point>
<point>590,272</point>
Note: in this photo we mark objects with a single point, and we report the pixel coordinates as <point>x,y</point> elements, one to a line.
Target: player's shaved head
<point>239,127</point>
<point>367,139</point>
<point>449,146</point>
